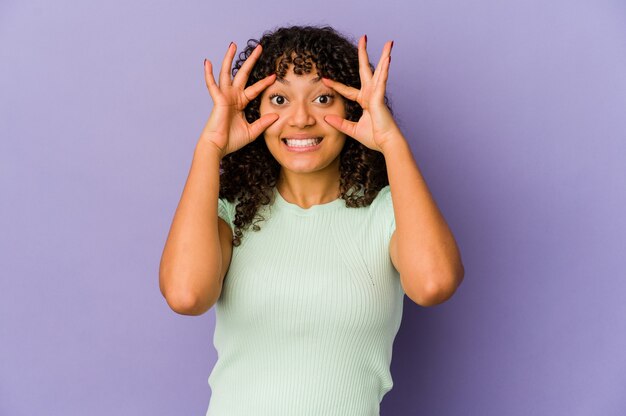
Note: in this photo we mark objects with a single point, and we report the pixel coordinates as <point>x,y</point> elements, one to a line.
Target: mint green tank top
<point>308,313</point>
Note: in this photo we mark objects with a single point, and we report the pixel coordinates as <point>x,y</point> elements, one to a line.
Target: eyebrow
<point>313,81</point>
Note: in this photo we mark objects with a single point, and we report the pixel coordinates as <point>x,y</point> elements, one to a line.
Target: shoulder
<point>383,211</point>
<point>377,218</point>
<point>383,199</point>
<point>226,210</point>
<point>384,194</point>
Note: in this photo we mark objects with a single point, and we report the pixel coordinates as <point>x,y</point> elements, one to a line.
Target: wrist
<point>394,143</point>
<point>206,145</point>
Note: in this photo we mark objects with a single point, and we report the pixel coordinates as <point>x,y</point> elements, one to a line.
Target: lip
<point>301,149</point>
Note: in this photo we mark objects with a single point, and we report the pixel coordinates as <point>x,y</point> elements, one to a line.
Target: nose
<point>301,116</point>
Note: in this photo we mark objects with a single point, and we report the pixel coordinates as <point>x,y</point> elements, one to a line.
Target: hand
<point>227,127</point>
<point>376,126</point>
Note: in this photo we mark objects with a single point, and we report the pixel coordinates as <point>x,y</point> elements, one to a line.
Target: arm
<point>199,245</point>
<point>190,268</point>
<point>422,247</point>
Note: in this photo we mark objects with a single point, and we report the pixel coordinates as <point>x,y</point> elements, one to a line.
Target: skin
<point>302,102</point>
<point>422,247</point>
<point>227,128</point>
<point>199,246</point>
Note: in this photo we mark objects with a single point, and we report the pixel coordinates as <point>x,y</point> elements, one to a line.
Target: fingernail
<point>205,62</point>
<point>391,46</point>
<point>230,44</point>
<point>365,38</point>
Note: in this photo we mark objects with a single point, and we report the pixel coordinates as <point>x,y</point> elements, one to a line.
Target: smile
<point>302,145</point>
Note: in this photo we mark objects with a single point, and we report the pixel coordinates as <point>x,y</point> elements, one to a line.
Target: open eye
<point>325,98</point>
<point>277,99</point>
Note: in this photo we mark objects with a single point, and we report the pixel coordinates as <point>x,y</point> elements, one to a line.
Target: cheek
<point>264,104</point>
<point>275,128</point>
<point>338,109</point>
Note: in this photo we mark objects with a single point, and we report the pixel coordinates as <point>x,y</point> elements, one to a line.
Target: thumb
<point>255,129</point>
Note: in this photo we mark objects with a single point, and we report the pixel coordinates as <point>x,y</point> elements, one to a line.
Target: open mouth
<point>302,143</point>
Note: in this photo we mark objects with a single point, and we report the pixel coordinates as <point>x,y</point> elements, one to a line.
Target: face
<point>301,102</point>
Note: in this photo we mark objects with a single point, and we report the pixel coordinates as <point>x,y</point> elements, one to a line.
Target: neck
<point>311,188</point>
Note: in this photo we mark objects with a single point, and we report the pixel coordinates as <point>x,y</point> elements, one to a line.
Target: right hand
<point>227,127</point>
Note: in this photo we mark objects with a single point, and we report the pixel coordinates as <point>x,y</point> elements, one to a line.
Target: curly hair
<point>249,174</point>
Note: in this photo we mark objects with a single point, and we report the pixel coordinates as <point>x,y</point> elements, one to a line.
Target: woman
<point>309,299</point>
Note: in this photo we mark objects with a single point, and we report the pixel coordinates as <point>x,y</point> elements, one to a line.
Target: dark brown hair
<point>250,174</point>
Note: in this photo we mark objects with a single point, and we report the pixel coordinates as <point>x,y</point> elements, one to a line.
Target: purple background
<point>516,114</point>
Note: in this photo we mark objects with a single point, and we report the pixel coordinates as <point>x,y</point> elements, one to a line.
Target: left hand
<point>376,126</point>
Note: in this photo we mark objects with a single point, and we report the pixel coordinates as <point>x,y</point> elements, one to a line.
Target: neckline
<point>282,203</point>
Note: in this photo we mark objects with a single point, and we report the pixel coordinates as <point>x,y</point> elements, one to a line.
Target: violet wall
<point>515,112</point>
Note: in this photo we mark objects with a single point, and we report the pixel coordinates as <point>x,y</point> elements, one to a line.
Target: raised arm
<point>198,249</point>
<point>191,264</point>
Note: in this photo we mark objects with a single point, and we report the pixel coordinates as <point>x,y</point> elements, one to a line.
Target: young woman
<point>305,220</point>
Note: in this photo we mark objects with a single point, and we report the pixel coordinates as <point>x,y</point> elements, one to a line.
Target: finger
<point>227,64</point>
<point>341,124</point>
<point>384,56</point>
<point>208,78</point>
<point>381,83</point>
<point>255,89</point>
<point>349,92</point>
<point>384,73</point>
<point>255,129</point>
<point>364,64</point>
<point>244,72</point>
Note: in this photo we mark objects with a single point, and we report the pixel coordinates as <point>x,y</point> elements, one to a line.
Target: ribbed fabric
<point>309,310</point>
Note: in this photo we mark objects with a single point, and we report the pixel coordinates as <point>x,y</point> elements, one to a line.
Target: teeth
<point>303,143</point>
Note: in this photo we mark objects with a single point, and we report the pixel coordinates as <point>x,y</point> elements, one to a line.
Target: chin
<point>300,164</point>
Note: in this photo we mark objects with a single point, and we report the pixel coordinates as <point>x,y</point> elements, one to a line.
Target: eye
<point>325,98</point>
<point>277,99</point>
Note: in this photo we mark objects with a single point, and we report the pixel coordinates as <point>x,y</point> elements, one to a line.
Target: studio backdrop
<point>515,113</point>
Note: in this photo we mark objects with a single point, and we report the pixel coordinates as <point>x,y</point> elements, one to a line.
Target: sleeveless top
<point>308,313</point>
